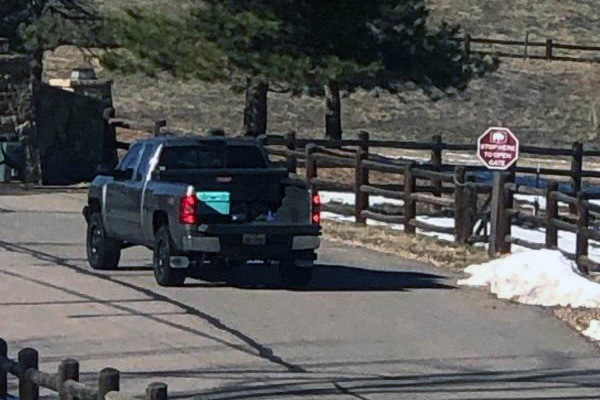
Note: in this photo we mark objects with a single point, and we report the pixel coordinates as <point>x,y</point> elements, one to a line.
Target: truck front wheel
<point>103,252</point>
<point>164,249</point>
<point>293,276</point>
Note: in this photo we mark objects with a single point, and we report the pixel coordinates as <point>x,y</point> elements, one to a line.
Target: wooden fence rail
<point>65,382</point>
<point>436,162</point>
<point>549,46</point>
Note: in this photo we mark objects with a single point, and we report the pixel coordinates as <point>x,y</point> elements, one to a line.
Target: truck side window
<point>144,165</point>
<point>127,165</point>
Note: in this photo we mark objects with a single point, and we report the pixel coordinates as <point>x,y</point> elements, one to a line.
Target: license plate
<point>254,239</point>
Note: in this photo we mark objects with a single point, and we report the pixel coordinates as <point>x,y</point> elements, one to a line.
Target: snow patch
<point>593,331</point>
<point>348,198</point>
<point>536,277</point>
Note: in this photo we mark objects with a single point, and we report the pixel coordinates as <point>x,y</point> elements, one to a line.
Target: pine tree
<point>312,46</point>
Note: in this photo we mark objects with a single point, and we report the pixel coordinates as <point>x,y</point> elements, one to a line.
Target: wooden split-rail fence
<point>473,203</point>
<point>65,382</point>
<point>484,210</point>
<point>548,49</point>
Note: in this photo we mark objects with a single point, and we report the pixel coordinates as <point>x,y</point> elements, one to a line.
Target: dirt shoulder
<point>420,248</point>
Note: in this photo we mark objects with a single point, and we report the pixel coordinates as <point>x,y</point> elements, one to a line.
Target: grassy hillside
<point>545,102</point>
<point>576,21</point>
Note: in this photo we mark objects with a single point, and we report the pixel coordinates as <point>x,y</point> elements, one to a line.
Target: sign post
<point>498,148</point>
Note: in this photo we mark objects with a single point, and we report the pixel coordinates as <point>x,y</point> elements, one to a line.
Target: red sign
<point>498,148</point>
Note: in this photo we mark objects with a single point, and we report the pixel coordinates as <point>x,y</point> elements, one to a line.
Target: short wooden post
<point>582,240</point>
<point>576,171</point>
<point>157,391</point>
<point>526,49</point>
<point>311,167</point>
<point>290,143</point>
<point>467,46</point>
<point>3,373</point>
<point>548,49</point>
<point>28,359</point>
<point>499,219</point>
<point>67,369</point>
<point>472,197</point>
<point>461,207</point>
<point>410,206</point>
<point>551,214</point>
<point>361,198</point>
<point>436,160</point>
<point>161,123</point>
<point>108,381</point>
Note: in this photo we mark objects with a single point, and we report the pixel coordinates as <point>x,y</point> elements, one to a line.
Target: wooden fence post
<point>157,391</point>
<point>410,206</point>
<point>3,373</point>
<point>467,46</point>
<point>500,220</point>
<point>108,381</point>
<point>311,167</point>
<point>361,199</point>
<point>548,49</point>
<point>157,125</point>
<point>436,160</point>
<point>551,213</point>
<point>464,206</point>
<point>290,143</point>
<point>526,49</point>
<point>576,171</point>
<point>68,369</point>
<point>582,240</point>
<point>28,359</point>
<point>460,236</point>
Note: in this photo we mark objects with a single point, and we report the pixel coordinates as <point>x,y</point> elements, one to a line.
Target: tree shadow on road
<point>328,277</point>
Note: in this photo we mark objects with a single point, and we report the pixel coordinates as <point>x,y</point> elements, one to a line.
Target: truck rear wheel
<point>164,249</point>
<point>103,252</point>
<point>293,276</point>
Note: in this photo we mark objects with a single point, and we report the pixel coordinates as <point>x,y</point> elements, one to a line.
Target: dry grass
<point>578,318</point>
<point>421,248</point>
<point>575,21</point>
<point>548,103</point>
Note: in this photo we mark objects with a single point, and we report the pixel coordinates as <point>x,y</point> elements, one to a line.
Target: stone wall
<point>65,130</point>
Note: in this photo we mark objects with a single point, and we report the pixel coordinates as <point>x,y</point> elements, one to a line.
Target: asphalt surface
<point>371,326</point>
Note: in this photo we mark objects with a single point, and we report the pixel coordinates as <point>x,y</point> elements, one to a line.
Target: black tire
<point>164,249</point>
<point>103,252</point>
<point>294,277</point>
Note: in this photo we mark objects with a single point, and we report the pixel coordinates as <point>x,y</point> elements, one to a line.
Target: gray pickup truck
<point>202,203</point>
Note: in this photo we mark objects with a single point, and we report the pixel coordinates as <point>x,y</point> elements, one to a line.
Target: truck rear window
<point>211,156</point>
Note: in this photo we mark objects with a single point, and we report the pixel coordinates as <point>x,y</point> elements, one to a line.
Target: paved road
<point>371,326</point>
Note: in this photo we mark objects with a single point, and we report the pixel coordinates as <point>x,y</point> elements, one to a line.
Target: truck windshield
<point>211,156</point>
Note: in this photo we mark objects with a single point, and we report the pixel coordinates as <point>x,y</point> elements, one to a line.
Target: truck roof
<point>193,140</point>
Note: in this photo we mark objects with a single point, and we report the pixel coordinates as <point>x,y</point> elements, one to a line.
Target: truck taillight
<point>187,209</point>
<point>315,209</point>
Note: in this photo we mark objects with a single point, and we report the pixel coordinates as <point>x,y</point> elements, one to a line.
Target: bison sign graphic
<point>498,148</point>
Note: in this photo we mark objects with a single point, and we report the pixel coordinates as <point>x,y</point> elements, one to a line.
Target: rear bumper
<point>277,245</point>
